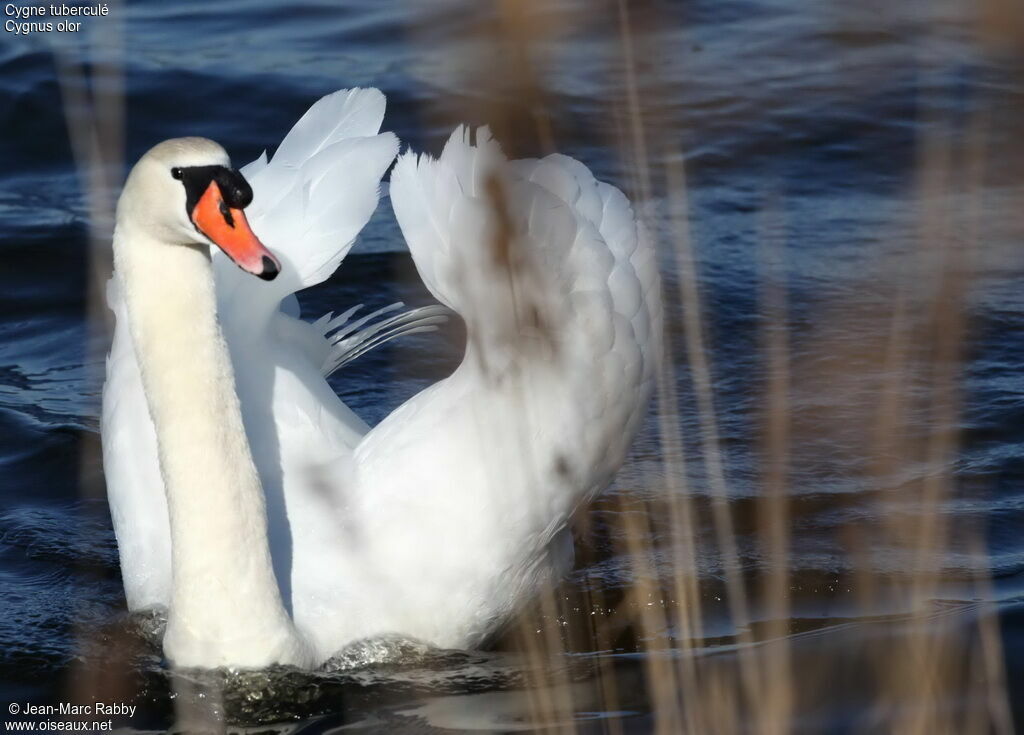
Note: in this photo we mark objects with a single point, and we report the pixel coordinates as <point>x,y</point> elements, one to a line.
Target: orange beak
<point>229,230</point>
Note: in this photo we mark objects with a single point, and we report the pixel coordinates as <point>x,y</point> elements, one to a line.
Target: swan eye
<point>176,172</point>
<point>226,213</point>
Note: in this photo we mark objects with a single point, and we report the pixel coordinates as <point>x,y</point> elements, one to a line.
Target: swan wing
<point>310,201</point>
<point>312,198</point>
<point>558,285</point>
<point>297,207</point>
<point>548,266</point>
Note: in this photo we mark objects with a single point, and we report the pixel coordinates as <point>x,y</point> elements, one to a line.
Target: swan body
<point>272,523</point>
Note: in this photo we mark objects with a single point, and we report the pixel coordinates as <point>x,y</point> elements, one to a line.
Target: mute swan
<point>249,501</point>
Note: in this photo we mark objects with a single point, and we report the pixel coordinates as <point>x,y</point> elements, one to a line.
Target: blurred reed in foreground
<point>891,395</point>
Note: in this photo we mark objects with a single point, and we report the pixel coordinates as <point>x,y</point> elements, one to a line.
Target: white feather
<point>440,522</point>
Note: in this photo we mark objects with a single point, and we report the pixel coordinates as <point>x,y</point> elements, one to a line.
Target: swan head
<point>185,191</point>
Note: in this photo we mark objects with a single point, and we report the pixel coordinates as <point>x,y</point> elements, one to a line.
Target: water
<point>815,142</point>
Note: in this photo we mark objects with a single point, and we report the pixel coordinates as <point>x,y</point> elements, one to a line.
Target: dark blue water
<point>852,194</point>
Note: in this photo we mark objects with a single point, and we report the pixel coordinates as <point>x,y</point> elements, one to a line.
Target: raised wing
<point>547,266</point>
<point>310,201</point>
<point>320,188</point>
<point>559,289</point>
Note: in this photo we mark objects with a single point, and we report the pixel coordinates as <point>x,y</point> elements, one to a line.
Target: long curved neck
<point>226,606</point>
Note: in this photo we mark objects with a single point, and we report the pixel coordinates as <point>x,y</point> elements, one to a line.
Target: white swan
<point>248,500</point>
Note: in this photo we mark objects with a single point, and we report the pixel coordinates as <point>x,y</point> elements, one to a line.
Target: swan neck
<point>226,607</point>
